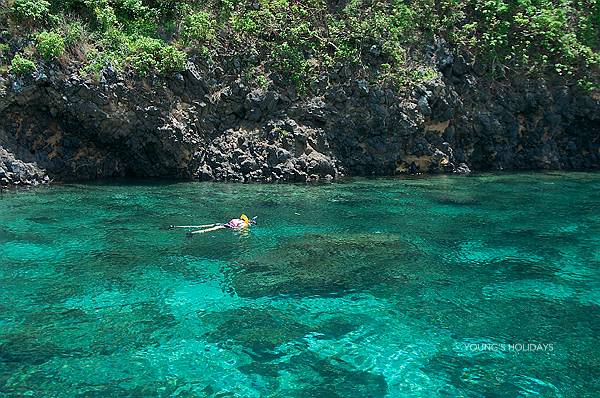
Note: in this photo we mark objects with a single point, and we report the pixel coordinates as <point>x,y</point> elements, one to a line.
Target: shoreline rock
<point>198,126</point>
<point>16,173</point>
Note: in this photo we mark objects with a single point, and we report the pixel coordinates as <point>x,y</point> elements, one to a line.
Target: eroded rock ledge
<point>202,124</point>
<point>14,172</point>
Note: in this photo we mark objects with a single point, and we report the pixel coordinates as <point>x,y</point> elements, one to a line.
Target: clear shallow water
<point>400,288</point>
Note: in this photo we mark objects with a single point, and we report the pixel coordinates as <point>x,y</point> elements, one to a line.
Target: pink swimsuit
<point>235,223</point>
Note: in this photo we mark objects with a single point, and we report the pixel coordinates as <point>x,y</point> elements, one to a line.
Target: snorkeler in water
<point>234,223</point>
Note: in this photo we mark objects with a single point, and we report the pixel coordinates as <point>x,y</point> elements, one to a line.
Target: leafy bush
<point>135,8</point>
<point>50,45</point>
<point>197,28</point>
<point>105,16</point>
<point>21,65</point>
<point>140,54</point>
<point>533,35</point>
<point>299,40</point>
<point>35,10</point>
<point>171,60</point>
<point>147,54</point>
<point>4,49</point>
<point>74,31</point>
<point>291,61</point>
<point>247,22</point>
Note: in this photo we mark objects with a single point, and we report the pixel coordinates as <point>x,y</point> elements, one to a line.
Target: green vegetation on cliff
<point>287,40</point>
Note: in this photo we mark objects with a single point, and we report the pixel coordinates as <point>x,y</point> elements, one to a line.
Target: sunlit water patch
<point>485,286</point>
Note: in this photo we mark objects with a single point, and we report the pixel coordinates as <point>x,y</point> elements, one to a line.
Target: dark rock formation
<point>14,172</point>
<point>196,125</point>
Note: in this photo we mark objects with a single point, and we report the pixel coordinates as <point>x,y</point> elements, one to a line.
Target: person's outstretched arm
<point>201,231</point>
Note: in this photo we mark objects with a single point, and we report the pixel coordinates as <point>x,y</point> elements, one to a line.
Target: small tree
<point>34,10</point>
<point>50,45</point>
<point>198,28</point>
<point>21,65</point>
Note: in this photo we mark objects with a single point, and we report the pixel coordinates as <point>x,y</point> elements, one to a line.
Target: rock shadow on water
<point>264,333</point>
<point>21,349</point>
<point>79,333</point>
<point>145,324</point>
<point>259,330</point>
<point>522,268</point>
<point>315,376</point>
<point>36,342</point>
<point>487,376</point>
<point>262,330</point>
<point>325,264</point>
<point>42,219</point>
<point>456,199</point>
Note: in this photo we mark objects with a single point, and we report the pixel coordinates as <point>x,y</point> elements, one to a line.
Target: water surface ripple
<point>485,286</point>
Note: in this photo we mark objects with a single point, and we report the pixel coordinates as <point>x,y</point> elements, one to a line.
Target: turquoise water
<point>485,286</point>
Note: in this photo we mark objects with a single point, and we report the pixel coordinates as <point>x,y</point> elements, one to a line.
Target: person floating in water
<point>234,223</point>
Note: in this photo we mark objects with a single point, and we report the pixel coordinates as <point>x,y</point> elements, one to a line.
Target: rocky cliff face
<point>206,125</point>
<point>14,172</point>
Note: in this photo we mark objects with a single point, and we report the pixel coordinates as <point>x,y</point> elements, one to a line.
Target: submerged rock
<point>325,264</point>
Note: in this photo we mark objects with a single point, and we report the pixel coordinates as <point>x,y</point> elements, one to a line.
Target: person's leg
<point>207,230</point>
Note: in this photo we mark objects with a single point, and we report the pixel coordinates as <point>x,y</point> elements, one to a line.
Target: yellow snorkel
<point>245,219</point>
